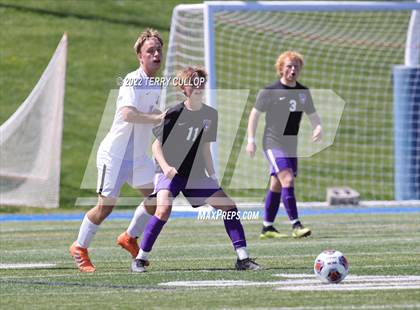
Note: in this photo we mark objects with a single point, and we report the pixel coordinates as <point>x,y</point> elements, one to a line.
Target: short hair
<point>187,75</point>
<point>145,35</point>
<point>292,55</point>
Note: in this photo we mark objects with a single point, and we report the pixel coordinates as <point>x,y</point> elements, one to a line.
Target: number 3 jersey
<point>283,107</point>
<point>183,134</point>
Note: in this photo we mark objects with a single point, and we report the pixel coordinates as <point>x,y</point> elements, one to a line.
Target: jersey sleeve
<point>309,107</point>
<point>211,134</point>
<point>161,131</point>
<point>126,97</point>
<point>262,101</point>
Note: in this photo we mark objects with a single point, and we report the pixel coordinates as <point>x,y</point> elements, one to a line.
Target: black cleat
<point>247,264</point>
<point>139,265</point>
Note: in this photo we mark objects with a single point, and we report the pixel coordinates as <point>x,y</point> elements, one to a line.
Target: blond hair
<point>145,35</point>
<point>292,55</point>
<point>190,76</point>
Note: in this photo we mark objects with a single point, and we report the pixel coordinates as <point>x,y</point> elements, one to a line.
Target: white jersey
<point>131,140</point>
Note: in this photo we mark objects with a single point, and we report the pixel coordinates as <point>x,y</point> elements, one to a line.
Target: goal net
<point>349,51</point>
<point>30,141</point>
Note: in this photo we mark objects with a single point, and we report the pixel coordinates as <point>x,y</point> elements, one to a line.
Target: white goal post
<point>349,50</point>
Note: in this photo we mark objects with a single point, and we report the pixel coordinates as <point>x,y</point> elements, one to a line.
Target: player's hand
<point>170,172</point>
<point>251,149</point>
<point>159,116</point>
<point>317,134</point>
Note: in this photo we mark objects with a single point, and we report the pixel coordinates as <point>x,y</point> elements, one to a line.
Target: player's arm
<point>208,160</point>
<point>252,128</point>
<point>316,126</point>
<point>132,115</point>
<point>168,170</point>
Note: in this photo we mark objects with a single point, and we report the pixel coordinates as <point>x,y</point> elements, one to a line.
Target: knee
<point>163,212</point>
<point>150,205</point>
<point>287,180</point>
<point>226,204</point>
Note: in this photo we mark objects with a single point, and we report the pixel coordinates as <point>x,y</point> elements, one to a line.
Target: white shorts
<point>114,172</point>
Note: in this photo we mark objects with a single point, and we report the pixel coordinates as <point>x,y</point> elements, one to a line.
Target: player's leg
<point>153,228</point>
<point>90,224</point>
<point>286,177</point>
<point>141,179</point>
<point>234,229</point>
<point>128,240</point>
<point>271,207</point>
<point>111,177</point>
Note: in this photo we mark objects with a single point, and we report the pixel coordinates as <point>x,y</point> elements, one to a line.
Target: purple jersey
<point>283,106</point>
<point>183,134</point>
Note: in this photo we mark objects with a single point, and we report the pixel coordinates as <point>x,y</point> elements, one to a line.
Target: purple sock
<point>152,231</point>
<point>289,201</point>
<point>271,206</point>
<point>234,228</point>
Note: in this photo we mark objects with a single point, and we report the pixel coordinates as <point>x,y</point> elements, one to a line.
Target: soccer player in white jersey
<point>283,103</point>
<point>122,154</point>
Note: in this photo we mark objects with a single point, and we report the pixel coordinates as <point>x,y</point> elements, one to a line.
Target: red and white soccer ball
<point>331,266</point>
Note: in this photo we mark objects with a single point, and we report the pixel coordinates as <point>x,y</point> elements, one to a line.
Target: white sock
<point>242,253</point>
<point>86,233</point>
<point>266,224</point>
<point>138,222</point>
<point>294,221</point>
<point>142,255</point>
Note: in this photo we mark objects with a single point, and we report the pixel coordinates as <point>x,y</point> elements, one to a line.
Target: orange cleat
<point>128,243</point>
<point>81,258</point>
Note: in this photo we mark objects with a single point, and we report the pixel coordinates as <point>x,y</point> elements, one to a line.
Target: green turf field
<point>376,246</point>
<point>101,34</point>
<point>100,39</point>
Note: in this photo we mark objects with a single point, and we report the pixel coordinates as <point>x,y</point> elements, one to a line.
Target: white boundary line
<point>27,266</point>
<point>307,282</point>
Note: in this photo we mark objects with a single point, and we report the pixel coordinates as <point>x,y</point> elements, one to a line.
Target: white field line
<point>100,273</point>
<point>287,283</point>
<point>254,244</point>
<point>354,287</point>
<point>218,258</point>
<point>155,271</point>
<point>349,277</point>
<point>26,266</point>
<point>357,307</point>
<point>394,225</point>
<point>312,284</point>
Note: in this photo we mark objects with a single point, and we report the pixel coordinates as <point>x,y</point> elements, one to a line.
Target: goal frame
<point>211,8</point>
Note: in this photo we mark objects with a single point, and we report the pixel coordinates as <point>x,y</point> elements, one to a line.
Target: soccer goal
<point>350,49</point>
<point>30,141</point>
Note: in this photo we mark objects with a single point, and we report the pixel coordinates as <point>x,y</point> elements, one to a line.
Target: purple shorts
<point>278,161</point>
<point>195,190</point>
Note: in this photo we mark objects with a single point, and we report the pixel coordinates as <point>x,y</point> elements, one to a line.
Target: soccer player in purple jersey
<point>283,102</point>
<point>182,153</point>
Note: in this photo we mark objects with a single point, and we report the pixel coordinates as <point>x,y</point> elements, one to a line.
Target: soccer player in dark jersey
<point>283,103</point>
<point>182,152</point>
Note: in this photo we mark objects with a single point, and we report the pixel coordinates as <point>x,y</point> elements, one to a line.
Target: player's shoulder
<point>300,86</point>
<point>175,109</point>
<point>274,85</point>
<point>209,110</point>
<point>133,74</point>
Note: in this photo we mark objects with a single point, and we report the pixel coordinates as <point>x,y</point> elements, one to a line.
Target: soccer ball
<point>331,266</point>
